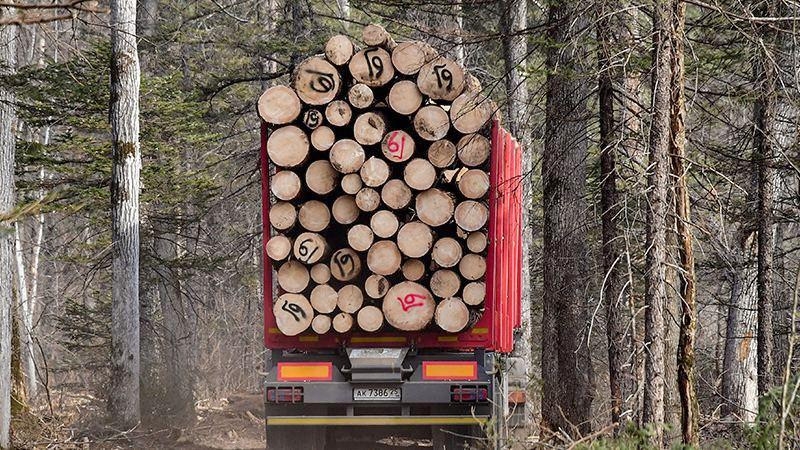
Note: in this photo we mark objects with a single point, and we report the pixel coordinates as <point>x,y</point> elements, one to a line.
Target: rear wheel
<point>296,438</point>
<point>456,437</point>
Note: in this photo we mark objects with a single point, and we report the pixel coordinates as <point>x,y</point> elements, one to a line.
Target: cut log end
<point>279,105</point>
<point>338,113</point>
<point>398,146</point>
<point>408,306</point>
<point>384,258</point>
<point>321,324</point>
<point>471,215</point>
<point>441,79</point>
<point>360,237</point>
<point>445,283</point>
<point>376,286</point>
<point>293,277</point>
<point>409,57</point>
<point>282,216</point>
<point>415,239</point>
<point>316,81</point>
<point>350,299</point>
<point>372,66</point>
<point>323,138</point>
<point>473,150</point>
<point>360,96</point>
<point>471,111</point>
<point>370,319</point>
<point>345,264</point>
<point>342,322</point>
<point>442,153</point>
<point>447,252</point>
<point>351,183</point>
<point>345,210</point>
<point>474,293</point>
<point>472,267</point>
<point>452,315</point>
<point>347,156</point>
<point>384,224</point>
<point>396,194</point>
<point>288,146</point>
<point>434,207</point>
<point>324,298</point>
<point>419,174</point>
<point>369,128</point>
<point>474,184</point>
<point>374,172</point>
<point>321,178</point>
<point>431,123</point>
<point>293,314</point>
<point>314,216</point>
<point>339,49</point>
<point>477,241</point>
<point>413,269</point>
<point>309,248</point>
<point>320,273</point>
<point>368,199</point>
<point>405,98</point>
<point>278,248</point>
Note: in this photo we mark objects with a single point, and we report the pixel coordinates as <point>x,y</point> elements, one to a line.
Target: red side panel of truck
<point>494,331</point>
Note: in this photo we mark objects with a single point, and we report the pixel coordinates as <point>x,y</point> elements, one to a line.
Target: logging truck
<point>391,202</point>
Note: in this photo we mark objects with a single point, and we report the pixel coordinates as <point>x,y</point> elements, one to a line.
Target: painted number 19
<point>396,148</point>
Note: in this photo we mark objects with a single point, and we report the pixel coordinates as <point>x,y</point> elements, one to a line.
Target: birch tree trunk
<point>24,318</point>
<point>739,372</point>
<point>515,50</point>
<point>566,369</point>
<point>655,274</point>
<point>8,44</point>
<point>124,118</point>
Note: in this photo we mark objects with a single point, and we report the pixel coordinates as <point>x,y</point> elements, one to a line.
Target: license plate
<point>377,394</point>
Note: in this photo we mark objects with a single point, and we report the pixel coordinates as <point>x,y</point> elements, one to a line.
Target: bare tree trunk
<point>739,384</point>
<point>180,323</point>
<point>24,318</point>
<point>764,158</point>
<point>655,274</point>
<point>620,372</point>
<point>458,30</point>
<point>515,51</point>
<point>683,220</point>
<point>147,15</point>
<point>124,118</point>
<point>566,369</point>
<point>8,44</point>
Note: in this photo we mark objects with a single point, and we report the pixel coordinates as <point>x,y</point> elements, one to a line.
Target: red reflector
<point>468,394</point>
<point>285,395</point>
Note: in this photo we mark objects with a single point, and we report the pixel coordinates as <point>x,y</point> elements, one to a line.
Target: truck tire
<point>454,437</point>
<point>296,438</point>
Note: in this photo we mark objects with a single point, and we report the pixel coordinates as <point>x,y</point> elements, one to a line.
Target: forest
<point>660,213</point>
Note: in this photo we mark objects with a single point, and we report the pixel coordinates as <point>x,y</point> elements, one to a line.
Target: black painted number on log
<point>313,118</point>
<point>343,260</point>
<point>307,251</point>
<point>443,75</point>
<point>293,309</point>
<point>374,63</point>
<point>323,82</point>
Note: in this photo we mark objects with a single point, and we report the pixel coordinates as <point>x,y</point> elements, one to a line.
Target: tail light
<point>285,394</point>
<point>468,394</point>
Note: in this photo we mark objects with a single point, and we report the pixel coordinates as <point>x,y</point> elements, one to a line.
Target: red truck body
<point>494,331</point>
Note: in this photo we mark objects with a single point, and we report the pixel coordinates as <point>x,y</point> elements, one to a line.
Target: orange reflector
<point>311,371</point>
<point>449,370</point>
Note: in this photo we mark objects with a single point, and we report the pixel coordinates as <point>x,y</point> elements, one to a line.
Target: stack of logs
<point>379,191</point>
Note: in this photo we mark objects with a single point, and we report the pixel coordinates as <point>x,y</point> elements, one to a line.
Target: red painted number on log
<point>411,301</point>
<point>396,148</point>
